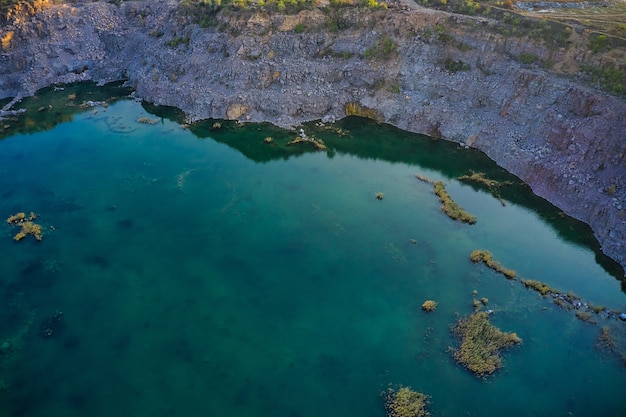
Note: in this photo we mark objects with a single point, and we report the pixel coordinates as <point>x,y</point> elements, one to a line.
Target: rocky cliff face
<point>423,71</point>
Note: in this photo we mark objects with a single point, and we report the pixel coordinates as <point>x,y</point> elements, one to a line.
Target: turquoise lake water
<point>200,271</point>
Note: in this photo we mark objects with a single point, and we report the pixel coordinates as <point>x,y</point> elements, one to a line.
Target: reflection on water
<point>208,270</point>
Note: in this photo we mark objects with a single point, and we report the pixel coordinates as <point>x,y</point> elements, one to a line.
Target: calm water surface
<point>203,272</point>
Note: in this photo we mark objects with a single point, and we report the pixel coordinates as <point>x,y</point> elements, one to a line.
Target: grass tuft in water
<point>540,287</point>
<point>27,226</point>
<point>481,179</point>
<point>486,257</point>
<point>429,305</point>
<point>450,207</point>
<point>404,402</point>
<point>481,343</point>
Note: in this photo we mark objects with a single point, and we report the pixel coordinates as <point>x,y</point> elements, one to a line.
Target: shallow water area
<point>203,271</point>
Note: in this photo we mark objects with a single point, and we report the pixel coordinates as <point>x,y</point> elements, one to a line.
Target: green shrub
<point>608,78</point>
<point>611,190</point>
<point>178,40</point>
<point>527,58</point>
<point>382,49</point>
<point>393,87</point>
<point>442,35</point>
<point>373,4</point>
<point>455,66</point>
<point>599,43</point>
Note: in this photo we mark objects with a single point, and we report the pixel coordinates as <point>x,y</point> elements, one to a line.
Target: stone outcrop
<point>565,140</point>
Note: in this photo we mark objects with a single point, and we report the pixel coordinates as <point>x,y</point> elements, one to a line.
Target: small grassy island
<point>480,179</point>
<point>404,402</point>
<point>487,258</point>
<point>27,226</point>
<point>449,206</point>
<point>429,305</point>
<point>481,343</point>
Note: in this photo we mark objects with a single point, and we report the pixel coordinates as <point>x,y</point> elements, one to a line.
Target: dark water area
<point>204,270</point>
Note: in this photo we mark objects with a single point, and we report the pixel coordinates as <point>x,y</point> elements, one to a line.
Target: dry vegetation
<point>404,402</point>
<point>481,343</point>
<point>481,179</point>
<point>487,258</point>
<point>450,207</point>
<point>608,17</point>
<point>27,226</point>
<point>429,305</point>
<point>540,287</point>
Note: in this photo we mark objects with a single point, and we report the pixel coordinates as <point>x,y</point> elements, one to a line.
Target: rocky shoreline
<point>565,140</point>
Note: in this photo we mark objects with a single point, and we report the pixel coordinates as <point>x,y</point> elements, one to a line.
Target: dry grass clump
<point>596,309</point>
<point>318,143</point>
<point>16,218</point>
<point>148,120</point>
<point>481,179</point>
<point>585,316</point>
<point>540,287</point>
<point>404,402</point>
<point>27,226</point>
<point>481,343</point>
<point>487,258</point>
<point>606,339</point>
<point>424,178</point>
<point>450,207</point>
<point>429,305</point>
<point>478,177</point>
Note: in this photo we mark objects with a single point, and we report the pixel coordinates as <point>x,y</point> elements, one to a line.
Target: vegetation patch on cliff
<point>357,109</point>
<point>383,48</point>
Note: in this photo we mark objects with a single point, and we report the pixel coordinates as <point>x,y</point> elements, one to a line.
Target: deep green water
<point>202,272</point>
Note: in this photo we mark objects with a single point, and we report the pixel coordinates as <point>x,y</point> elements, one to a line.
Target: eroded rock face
<point>566,141</point>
